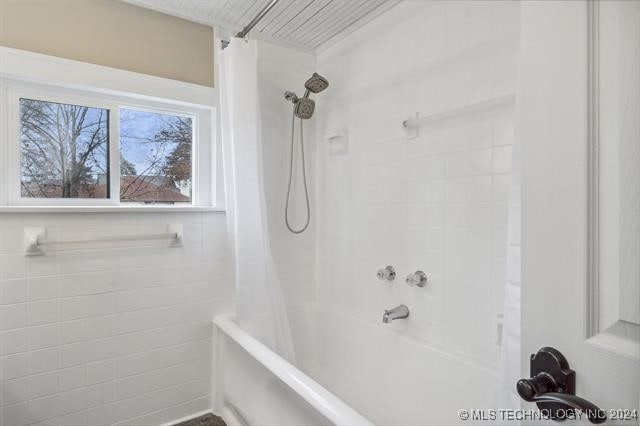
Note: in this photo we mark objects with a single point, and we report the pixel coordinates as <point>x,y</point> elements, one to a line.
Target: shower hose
<point>304,179</point>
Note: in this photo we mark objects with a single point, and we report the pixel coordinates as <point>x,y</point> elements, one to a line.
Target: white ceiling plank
<point>191,6</point>
<point>344,22</point>
<point>235,13</point>
<point>335,24</point>
<point>293,10</point>
<point>281,8</point>
<point>216,6</point>
<point>166,8</point>
<point>311,8</point>
<point>252,12</point>
<point>228,8</point>
<point>303,24</point>
<point>244,15</point>
<point>388,4</point>
<point>309,25</point>
<point>323,19</point>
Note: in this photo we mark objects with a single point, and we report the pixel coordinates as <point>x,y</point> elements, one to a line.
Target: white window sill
<point>108,209</point>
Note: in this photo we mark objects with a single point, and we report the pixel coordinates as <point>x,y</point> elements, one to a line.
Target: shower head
<point>304,108</point>
<point>316,83</point>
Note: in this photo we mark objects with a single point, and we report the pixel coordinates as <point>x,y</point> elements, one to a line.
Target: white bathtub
<point>355,373</point>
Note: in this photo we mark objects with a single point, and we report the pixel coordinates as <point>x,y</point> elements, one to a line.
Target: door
<point>579,126</point>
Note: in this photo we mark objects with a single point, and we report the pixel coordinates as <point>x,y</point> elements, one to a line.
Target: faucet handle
<point>417,279</point>
<point>387,274</point>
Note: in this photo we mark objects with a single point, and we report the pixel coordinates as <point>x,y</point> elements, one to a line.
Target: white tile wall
<point>435,203</point>
<point>111,334</point>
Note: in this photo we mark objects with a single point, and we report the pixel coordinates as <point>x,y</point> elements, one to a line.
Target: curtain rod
<point>243,33</point>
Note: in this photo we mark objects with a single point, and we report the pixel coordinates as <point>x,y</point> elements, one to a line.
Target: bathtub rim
<point>325,402</point>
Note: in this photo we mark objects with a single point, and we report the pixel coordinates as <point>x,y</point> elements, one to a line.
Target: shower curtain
<point>260,307</point>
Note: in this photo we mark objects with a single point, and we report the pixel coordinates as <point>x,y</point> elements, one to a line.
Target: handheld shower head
<point>304,108</point>
<point>316,84</point>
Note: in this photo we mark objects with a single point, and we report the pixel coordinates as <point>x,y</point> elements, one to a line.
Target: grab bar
<point>35,241</point>
<point>410,125</point>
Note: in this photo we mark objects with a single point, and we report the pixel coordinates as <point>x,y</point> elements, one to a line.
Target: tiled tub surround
<point>436,203</point>
<point>111,333</point>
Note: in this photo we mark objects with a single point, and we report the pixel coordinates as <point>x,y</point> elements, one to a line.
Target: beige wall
<point>111,33</point>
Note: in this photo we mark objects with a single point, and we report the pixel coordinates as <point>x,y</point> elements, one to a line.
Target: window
<point>156,153</point>
<point>63,150</point>
<point>78,148</point>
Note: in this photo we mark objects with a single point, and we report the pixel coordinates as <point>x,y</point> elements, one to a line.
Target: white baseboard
<point>189,417</point>
<point>231,416</point>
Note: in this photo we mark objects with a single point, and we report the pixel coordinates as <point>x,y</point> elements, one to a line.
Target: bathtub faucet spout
<point>399,312</point>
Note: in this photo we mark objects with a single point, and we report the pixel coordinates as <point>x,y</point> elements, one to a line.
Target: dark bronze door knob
<point>552,388</point>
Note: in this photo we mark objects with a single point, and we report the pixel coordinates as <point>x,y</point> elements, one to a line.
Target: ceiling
<point>305,24</point>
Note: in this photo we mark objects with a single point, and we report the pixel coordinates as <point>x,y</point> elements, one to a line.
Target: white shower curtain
<point>259,301</point>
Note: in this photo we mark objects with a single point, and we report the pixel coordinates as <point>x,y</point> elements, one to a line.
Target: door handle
<point>552,387</point>
<point>528,389</point>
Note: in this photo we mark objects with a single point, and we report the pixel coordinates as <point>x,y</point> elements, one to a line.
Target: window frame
<point>203,184</point>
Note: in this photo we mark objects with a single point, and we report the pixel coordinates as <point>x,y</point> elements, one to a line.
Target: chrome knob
<point>417,279</point>
<point>387,274</point>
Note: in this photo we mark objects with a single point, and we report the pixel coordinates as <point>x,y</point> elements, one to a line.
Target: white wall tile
<point>42,312</point>
<point>42,288</point>
<point>73,377</point>
<point>73,419</point>
<point>100,394</point>
<point>18,415</point>
<point>77,326</point>
<point>100,371</point>
<point>12,266</point>
<point>13,291</point>
<point>44,336</point>
<point>13,316</point>
<point>44,360</point>
<point>100,416</point>
<point>15,391</point>
<point>14,366</point>
<point>43,384</point>
<point>14,341</point>
<point>38,266</point>
<point>444,212</point>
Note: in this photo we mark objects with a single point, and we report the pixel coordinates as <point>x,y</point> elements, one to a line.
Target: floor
<point>204,420</point>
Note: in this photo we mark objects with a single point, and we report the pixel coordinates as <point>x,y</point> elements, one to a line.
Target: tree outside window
<point>64,150</point>
<point>65,153</point>
<point>155,154</point>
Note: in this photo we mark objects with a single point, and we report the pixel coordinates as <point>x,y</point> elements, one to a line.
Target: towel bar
<point>35,240</point>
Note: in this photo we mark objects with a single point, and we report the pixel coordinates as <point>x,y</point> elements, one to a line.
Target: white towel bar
<point>478,107</point>
<point>35,241</point>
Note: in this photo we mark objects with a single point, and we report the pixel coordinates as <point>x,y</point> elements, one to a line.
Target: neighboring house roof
<point>142,189</point>
<point>145,189</point>
<point>159,180</point>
